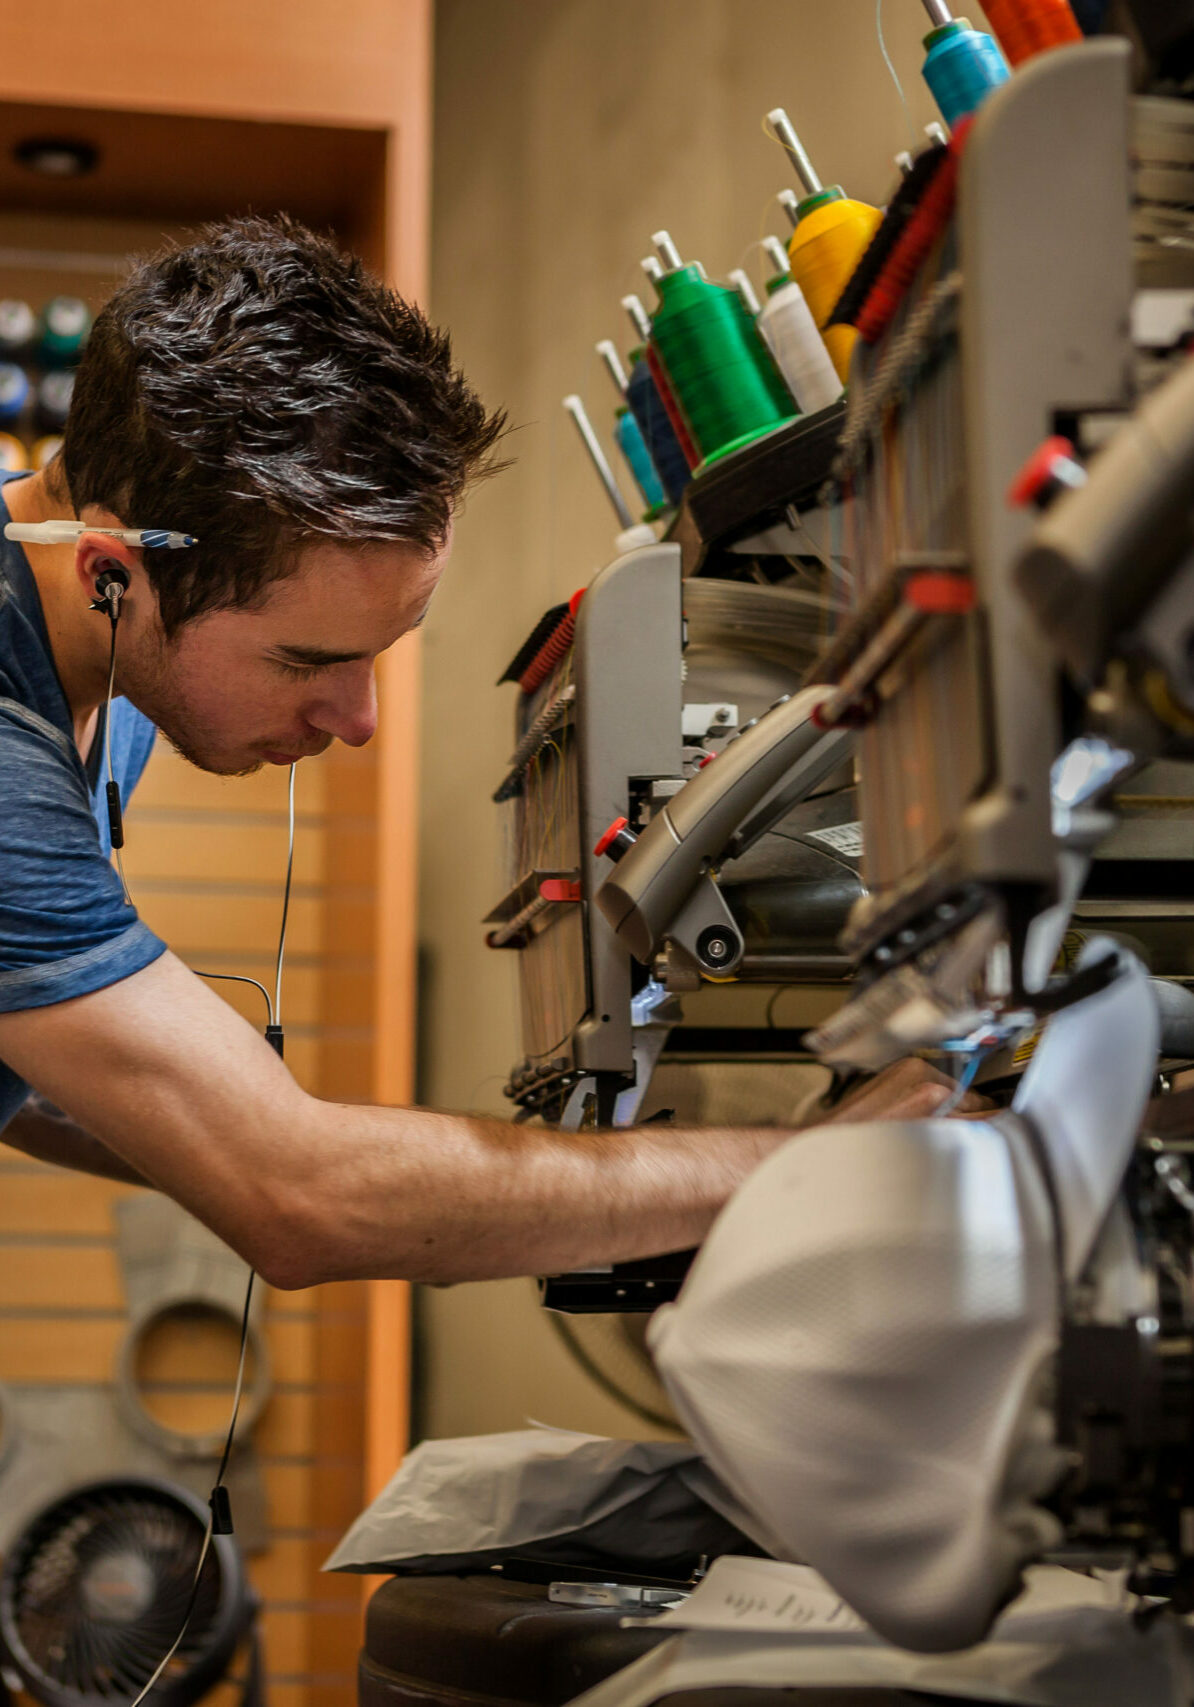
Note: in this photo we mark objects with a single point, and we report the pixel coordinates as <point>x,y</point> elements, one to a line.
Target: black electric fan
<point>96,1588</point>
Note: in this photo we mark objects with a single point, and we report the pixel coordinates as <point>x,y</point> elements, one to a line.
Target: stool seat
<point>484,1641</point>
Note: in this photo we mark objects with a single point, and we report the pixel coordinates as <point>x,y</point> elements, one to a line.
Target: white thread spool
<point>790,332</point>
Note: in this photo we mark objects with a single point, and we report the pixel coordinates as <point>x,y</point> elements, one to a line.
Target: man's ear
<point>97,554</point>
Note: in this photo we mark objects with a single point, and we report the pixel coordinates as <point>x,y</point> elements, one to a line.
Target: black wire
<point>244,1340</point>
<point>209,1536</point>
<point>276,1015</point>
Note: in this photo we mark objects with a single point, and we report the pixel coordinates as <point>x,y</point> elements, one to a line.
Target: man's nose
<point>349,712</point>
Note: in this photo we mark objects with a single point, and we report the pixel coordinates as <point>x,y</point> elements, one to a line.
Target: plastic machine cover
<point>860,1348</point>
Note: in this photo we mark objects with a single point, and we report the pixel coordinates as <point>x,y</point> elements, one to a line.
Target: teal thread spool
<point>65,323</point>
<point>723,376</point>
<point>962,65</point>
<point>638,460</point>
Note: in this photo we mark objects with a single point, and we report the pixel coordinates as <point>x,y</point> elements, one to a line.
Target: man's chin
<point>215,764</point>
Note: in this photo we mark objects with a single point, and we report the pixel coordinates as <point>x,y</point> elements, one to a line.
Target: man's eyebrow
<point>316,655</point>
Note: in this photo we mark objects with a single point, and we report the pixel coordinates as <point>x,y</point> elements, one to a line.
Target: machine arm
<point>664,873</point>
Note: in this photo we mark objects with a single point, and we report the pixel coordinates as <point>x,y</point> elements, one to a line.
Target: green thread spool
<point>724,377</point>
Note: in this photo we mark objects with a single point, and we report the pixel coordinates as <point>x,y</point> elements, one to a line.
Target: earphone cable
<point>242,978</point>
<point>116,848</point>
<point>217,1489</point>
<point>273,1007</point>
<point>277,1013</point>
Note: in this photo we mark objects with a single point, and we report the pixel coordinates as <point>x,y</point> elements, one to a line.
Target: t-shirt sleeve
<point>65,926</point>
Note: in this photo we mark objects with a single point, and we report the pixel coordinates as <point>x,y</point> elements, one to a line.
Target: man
<point>260,391</point>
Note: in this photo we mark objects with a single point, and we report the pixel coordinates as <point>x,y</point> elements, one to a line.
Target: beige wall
<point>566,132</point>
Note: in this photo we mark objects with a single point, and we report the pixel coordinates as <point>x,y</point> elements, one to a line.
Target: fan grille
<point>100,1590</point>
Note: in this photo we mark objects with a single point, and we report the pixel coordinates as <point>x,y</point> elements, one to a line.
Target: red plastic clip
<point>939,595</point>
<point>560,889</point>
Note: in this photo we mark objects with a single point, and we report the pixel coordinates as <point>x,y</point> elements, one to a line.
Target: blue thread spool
<point>52,404</point>
<point>659,436</point>
<point>648,409</point>
<point>962,67</point>
<point>629,435</point>
<point>14,392</point>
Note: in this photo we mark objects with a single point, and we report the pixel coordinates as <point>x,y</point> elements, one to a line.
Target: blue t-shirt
<point>65,926</point>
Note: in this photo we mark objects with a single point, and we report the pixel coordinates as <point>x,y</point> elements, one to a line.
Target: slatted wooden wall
<point>205,859</point>
<point>274,112</point>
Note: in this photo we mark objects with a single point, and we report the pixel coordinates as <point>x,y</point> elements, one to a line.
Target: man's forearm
<point>45,1133</point>
<point>440,1197</point>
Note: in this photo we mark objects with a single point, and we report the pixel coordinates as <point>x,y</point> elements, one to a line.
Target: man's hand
<point>910,1090</point>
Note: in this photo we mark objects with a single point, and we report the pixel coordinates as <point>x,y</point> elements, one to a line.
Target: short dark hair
<point>259,388</point>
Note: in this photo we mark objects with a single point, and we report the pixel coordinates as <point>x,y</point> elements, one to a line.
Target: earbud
<point>111,584</point>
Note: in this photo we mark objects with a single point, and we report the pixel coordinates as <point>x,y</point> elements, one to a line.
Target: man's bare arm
<point>175,1084</point>
<point>45,1133</point>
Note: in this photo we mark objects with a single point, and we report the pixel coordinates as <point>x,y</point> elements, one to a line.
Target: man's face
<point>236,689</point>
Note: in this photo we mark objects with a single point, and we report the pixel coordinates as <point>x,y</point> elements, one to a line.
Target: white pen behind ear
<point>66,533</point>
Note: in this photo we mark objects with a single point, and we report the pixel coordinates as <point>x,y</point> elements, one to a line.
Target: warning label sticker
<point>844,838</point>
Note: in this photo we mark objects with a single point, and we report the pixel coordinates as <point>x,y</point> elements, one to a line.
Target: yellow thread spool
<point>45,450</point>
<point>12,454</point>
<point>824,250</point>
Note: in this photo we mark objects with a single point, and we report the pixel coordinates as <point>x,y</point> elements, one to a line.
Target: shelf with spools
<point>38,355</point>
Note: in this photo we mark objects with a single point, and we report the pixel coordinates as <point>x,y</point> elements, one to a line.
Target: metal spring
<point>552,649</point>
<point>533,742</point>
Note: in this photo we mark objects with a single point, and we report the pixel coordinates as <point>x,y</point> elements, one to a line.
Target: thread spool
<point>65,323</point>
<point>722,374</point>
<point>629,438</point>
<point>54,393</point>
<point>663,384</point>
<point>12,454</point>
<point>18,329</point>
<point>830,238</point>
<point>961,68</point>
<point>1024,28</point>
<point>659,436</point>
<point>647,406</point>
<point>44,451</point>
<point>790,333</point>
<point>14,393</point>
